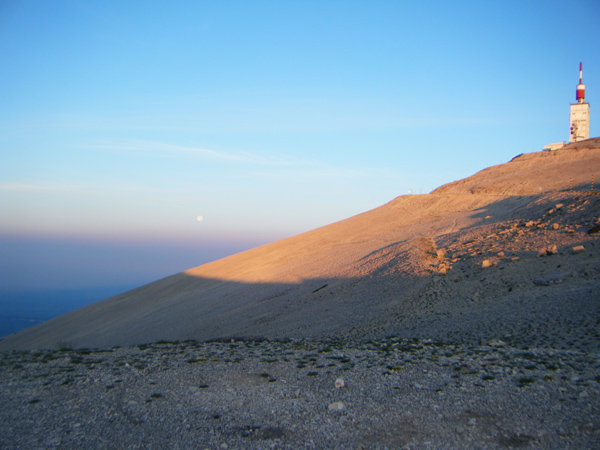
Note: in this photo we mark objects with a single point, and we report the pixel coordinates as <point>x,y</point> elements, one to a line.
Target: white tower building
<point>580,113</point>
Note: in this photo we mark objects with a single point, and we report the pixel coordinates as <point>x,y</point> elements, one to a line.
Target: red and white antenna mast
<point>580,96</point>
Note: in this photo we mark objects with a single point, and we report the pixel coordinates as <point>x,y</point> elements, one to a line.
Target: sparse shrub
<point>525,381</point>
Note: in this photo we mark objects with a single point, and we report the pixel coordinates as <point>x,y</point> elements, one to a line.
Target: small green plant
<point>525,381</point>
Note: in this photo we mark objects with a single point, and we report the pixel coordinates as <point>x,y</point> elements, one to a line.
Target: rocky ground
<point>500,349</point>
<point>388,393</point>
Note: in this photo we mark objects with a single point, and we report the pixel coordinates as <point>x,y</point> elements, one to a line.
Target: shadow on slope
<point>469,304</point>
<point>383,282</point>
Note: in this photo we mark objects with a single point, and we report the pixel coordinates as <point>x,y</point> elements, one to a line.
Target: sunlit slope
<point>573,166</point>
<point>377,273</point>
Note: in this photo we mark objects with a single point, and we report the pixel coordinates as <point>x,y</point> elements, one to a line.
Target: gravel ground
<point>283,394</point>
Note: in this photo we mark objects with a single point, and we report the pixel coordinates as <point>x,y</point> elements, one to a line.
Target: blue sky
<point>122,122</point>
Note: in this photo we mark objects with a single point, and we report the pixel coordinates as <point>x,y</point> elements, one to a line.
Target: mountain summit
<point>510,253</point>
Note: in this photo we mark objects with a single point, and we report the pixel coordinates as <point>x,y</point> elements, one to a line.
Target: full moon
<point>199,218</point>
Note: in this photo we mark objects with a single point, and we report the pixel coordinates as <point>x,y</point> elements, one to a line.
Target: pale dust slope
<point>379,272</point>
<point>535,173</point>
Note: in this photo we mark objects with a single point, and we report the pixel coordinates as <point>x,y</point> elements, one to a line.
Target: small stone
<point>552,249</point>
<point>500,254</point>
<point>578,249</point>
<point>542,252</point>
<point>555,226</point>
<point>339,383</point>
<point>530,223</point>
<point>515,258</point>
<point>418,386</point>
<point>441,253</point>
<point>558,206</point>
<point>336,406</point>
<point>472,422</point>
<point>487,263</point>
<point>496,343</point>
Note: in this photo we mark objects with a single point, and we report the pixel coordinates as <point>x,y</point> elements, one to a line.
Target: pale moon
<point>199,218</point>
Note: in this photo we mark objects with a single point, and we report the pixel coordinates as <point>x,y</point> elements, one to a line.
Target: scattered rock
<point>336,406</point>
<point>552,279</point>
<point>487,263</point>
<point>578,249</point>
<point>547,251</point>
<point>500,254</point>
<point>443,269</point>
<point>496,343</point>
<point>441,253</point>
<point>555,226</point>
<point>340,383</point>
<point>558,206</point>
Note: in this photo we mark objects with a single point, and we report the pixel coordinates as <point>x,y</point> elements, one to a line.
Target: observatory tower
<point>580,113</point>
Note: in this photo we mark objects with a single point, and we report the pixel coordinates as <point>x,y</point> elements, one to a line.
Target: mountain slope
<point>412,267</point>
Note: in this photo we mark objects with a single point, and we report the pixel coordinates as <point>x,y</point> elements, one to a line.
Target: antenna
<point>580,95</point>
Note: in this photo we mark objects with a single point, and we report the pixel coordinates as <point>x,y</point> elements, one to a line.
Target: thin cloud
<point>322,171</point>
<point>85,190</point>
<point>195,152</point>
<point>22,187</point>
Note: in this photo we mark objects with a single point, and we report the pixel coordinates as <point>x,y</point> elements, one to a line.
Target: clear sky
<point>124,122</point>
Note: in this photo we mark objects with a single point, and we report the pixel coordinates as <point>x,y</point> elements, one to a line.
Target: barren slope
<point>573,166</point>
<point>412,268</point>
